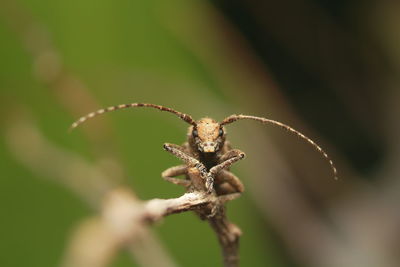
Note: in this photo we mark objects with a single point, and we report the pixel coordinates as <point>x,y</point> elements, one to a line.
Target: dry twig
<point>124,219</point>
<point>126,216</point>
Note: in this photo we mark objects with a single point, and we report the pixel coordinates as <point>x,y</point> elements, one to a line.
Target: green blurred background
<point>329,69</point>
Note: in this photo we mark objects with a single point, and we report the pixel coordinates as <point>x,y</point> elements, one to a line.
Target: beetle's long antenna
<point>234,118</point>
<point>181,115</point>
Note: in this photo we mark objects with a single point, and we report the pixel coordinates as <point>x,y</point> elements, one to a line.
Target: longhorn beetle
<point>207,149</point>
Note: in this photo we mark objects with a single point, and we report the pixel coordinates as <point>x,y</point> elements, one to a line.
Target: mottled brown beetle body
<point>207,143</point>
<point>207,150</point>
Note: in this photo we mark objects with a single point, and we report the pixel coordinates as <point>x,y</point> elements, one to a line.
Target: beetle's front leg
<point>178,152</point>
<point>230,154</point>
<point>227,160</point>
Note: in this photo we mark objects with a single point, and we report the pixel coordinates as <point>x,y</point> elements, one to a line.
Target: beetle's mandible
<point>207,149</point>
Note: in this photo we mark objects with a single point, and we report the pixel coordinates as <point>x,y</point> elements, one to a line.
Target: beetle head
<point>208,136</point>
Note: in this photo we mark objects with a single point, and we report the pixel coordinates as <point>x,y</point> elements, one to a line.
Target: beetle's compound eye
<point>221,132</point>
<point>195,133</point>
